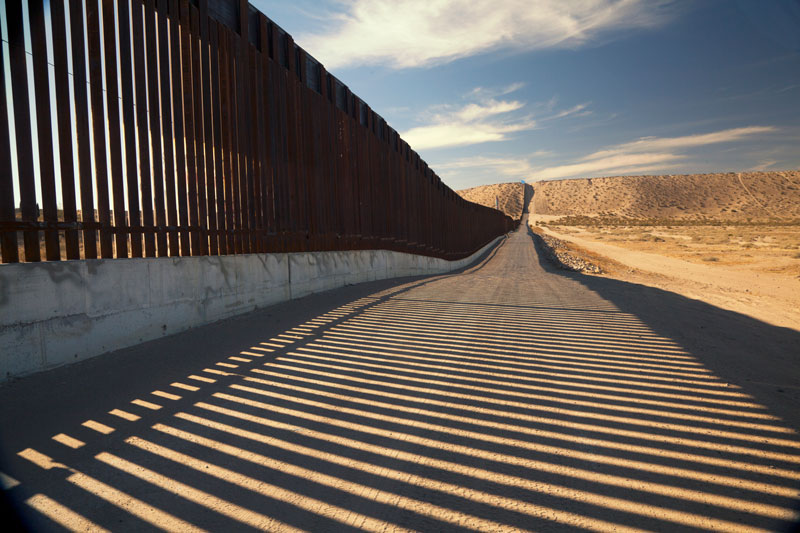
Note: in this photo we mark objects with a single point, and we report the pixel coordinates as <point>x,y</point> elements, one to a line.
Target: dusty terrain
<point>732,196</point>
<point>731,240</point>
<point>510,197</point>
<point>754,270</point>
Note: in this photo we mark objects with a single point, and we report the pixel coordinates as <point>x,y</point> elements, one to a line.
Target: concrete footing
<point>55,313</point>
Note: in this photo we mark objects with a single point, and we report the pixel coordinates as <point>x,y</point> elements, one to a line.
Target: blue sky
<point>491,91</point>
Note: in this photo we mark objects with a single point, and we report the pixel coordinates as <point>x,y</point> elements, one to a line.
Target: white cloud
<point>692,141</point>
<point>506,166</point>
<point>418,33</point>
<point>485,120</point>
<point>614,164</point>
<point>643,155</point>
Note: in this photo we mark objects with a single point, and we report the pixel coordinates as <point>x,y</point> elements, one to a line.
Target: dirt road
<point>506,397</point>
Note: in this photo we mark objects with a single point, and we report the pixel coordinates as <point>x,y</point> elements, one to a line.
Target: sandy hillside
<point>510,196</point>
<point>730,196</point>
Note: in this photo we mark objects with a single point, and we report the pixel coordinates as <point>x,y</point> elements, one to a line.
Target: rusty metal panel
<point>245,142</point>
<point>236,159</point>
<point>110,42</point>
<point>263,89</point>
<point>178,127</point>
<point>99,127</point>
<point>229,137</point>
<point>128,120</point>
<point>210,218</point>
<point>219,154</point>
<point>155,129</point>
<point>44,128</point>
<point>140,78</point>
<point>22,120</point>
<point>198,135</point>
<point>187,112</point>
<point>165,48</point>
<point>78,40</point>
<point>253,166</point>
<point>8,236</point>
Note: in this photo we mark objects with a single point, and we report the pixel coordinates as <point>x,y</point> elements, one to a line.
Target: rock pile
<point>557,252</point>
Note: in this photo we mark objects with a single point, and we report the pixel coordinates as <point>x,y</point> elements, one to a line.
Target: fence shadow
<point>499,399</point>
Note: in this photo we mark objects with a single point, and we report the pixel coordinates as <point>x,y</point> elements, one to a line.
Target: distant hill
<point>511,197</point>
<point>729,196</point>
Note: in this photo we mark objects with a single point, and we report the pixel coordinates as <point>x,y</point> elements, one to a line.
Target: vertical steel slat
<point>233,128</point>
<point>99,127</point>
<point>8,238</point>
<point>140,76</point>
<point>187,111</point>
<point>244,117</point>
<point>243,135</point>
<point>327,136</point>
<point>291,150</point>
<point>252,133</point>
<point>265,163</point>
<point>177,124</point>
<point>208,138</point>
<point>155,126</point>
<point>129,125</point>
<point>22,121</point>
<point>114,134</point>
<point>216,109</point>
<point>93,40</point>
<point>165,39</point>
<point>199,136</point>
<point>66,158</point>
<point>276,134</point>
<point>78,39</point>
<point>225,93</point>
<point>41,83</point>
<point>255,154</point>
<point>280,137</point>
<point>245,140</point>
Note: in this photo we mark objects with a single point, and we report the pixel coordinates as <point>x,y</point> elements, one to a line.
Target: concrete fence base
<point>55,313</point>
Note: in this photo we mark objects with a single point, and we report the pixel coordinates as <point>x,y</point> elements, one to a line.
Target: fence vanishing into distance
<point>178,127</point>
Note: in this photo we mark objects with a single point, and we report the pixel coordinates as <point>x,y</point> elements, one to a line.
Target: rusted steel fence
<point>178,127</point>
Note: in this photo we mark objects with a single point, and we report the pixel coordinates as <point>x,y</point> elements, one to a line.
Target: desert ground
<point>730,240</point>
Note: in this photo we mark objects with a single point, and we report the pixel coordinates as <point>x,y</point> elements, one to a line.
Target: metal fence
<point>174,127</point>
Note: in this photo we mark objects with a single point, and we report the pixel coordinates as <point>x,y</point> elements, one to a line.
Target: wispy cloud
<point>505,166</point>
<point>608,165</point>
<point>419,33</point>
<point>479,170</point>
<point>576,111</point>
<point>763,165</point>
<point>485,119</point>
<point>644,155</point>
